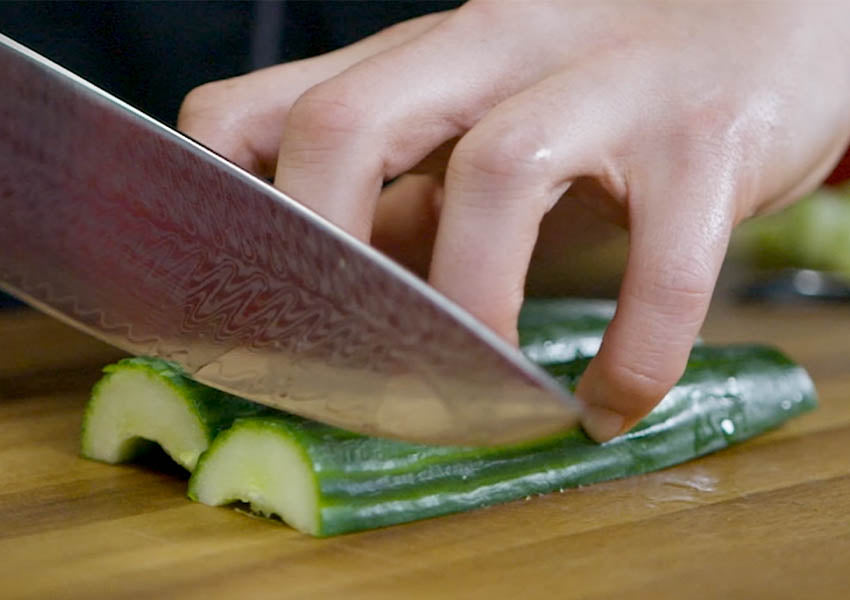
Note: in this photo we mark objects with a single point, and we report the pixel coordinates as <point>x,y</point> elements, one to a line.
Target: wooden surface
<point>766,519</point>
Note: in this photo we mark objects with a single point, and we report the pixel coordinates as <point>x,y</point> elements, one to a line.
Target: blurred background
<point>151,54</point>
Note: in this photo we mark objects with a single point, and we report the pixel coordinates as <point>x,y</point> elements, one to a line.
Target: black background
<point>151,54</point>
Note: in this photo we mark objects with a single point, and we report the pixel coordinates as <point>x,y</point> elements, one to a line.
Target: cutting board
<point>769,518</point>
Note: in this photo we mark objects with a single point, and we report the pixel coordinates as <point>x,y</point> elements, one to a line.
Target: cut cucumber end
<point>260,463</point>
<point>133,405</point>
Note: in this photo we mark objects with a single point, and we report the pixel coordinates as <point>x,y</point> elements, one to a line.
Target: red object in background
<point>841,172</point>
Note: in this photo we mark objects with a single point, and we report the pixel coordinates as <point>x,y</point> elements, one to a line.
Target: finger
<point>406,220</point>
<point>679,230</point>
<point>506,173</point>
<point>379,118</point>
<point>242,117</point>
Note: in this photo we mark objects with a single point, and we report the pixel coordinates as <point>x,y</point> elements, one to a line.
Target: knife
<point>134,233</point>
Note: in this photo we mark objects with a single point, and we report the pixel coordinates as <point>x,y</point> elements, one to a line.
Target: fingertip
<point>614,396</point>
<point>601,419</point>
<point>602,424</point>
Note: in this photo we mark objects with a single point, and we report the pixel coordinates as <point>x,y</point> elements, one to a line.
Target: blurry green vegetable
<point>813,233</point>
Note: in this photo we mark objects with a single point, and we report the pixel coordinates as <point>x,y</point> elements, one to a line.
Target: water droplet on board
<point>727,426</point>
<point>699,481</point>
<point>733,386</point>
<point>785,404</point>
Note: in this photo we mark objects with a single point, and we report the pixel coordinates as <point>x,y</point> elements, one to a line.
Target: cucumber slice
<point>141,401</point>
<point>264,463</point>
<point>325,481</point>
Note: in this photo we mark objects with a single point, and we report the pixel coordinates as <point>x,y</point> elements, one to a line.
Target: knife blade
<point>137,235</point>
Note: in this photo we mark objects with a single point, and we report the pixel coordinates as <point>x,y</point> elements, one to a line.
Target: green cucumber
<point>142,401</point>
<point>325,481</point>
<point>559,330</point>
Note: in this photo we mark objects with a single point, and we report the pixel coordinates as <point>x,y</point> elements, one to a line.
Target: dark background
<point>151,54</point>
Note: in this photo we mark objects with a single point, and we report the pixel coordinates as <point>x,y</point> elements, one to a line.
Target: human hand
<point>675,119</point>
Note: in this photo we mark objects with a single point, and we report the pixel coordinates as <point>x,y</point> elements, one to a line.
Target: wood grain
<point>767,519</point>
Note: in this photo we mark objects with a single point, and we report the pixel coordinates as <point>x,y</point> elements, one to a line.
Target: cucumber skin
<point>558,330</point>
<point>215,410</point>
<point>726,395</point>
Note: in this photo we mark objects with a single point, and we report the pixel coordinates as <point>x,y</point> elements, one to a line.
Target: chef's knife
<point>136,234</point>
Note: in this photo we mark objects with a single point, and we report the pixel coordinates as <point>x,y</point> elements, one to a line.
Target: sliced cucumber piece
<point>141,401</point>
<point>262,462</point>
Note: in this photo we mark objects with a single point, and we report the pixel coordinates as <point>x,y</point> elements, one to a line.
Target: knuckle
<point>193,102</point>
<point>681,294</point>
<point>206,115</point>
<point>486,13</point>
<point>326,112</point>
<point>325,122</point>
<point>714,115</point>
<point>504,152</point>
<point>204,102</point>
<point>688,286</point>
<point>719,132</point>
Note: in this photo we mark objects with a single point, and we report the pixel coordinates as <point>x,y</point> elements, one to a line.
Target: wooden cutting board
<point>767,519</point>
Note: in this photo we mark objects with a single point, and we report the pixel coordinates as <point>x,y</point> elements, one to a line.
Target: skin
<point>675,120</point>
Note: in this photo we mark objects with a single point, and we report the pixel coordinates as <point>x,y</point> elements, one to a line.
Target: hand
<point>675,119</point>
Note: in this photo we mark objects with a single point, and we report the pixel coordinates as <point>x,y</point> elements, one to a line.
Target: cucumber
<point>142,401</point>
<point>557,330</point>
<point>325,481</point>
<point>145,401</point>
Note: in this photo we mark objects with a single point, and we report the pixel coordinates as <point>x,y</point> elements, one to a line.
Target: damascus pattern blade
<point>141,237</point>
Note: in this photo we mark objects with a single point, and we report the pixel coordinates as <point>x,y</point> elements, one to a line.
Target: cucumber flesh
<point>132,407</point>
<point>260,462</point>
<point>141,401</point>
<point>325,481</point>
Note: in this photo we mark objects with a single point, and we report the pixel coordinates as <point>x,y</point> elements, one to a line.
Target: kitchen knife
<point>136,234</point>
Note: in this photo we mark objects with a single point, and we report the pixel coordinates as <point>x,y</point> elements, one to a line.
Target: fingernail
<point>600,423</point>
